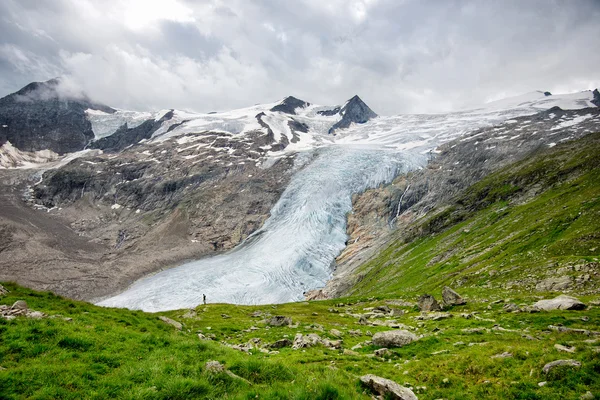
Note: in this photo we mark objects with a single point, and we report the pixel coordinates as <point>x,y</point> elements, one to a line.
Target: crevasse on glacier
<point>293,251</point>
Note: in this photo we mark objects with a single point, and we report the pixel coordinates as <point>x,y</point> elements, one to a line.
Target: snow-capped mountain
<point>157,189</point>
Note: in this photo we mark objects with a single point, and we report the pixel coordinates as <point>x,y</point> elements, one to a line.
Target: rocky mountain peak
<point>596,99</point>
<point>47,115</point>
<point>355,110</point>
<point>289,105</point>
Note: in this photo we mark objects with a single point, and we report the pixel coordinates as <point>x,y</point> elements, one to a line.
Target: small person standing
<point>204,299</point>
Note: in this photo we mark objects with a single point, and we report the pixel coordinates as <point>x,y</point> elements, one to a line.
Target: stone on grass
<point>214,366</point>
<point>451,298</point>
<point>171,322</point>
<point>561,363</point>
<point>3,291</point>
<point>280,320</point>
<point>555,284</point>
<point>387,388</point>
<point>428,303</point>
<point>281,343</point>
<point>396,338</point>
<point>561,302</point>
<point>19,305</point>
<point>566,349</point>
<point>335,333</point>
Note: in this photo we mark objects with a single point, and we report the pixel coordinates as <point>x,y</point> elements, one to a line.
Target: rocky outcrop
<point>396,338</point>
<point>554,284</point>
<point>562,302</point>
<point>428,303</point>
<point>46,115</point>
<point>280,320</point>
<point>124,136</point>
<point>354,111</point>
<point>289,105</point>
<point>596,99</point>
<point>387,388</point>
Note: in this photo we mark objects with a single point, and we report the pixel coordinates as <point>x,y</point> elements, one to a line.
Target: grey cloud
<point>400,56</point>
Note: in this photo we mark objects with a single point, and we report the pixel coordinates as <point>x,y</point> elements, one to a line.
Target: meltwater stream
<point>293,251</point>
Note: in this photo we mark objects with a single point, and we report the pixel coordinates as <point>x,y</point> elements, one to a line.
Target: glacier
<point>295,250</point>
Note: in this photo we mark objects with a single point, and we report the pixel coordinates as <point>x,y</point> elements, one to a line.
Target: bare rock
<point>561,363</point>
<point>303,341</point>
<point>555,284</point>
<point>3,291</point>
<point>387,388</point>
<point>171,322</point>
<point>451,298</point>
<point>20,305</point>
<point>567,349</point>
<point>428,303</point>
<point>561,302</point>
<point>335,333</point>
<point>280,320</point>
<point>395,338</point>
<point>281,343</point>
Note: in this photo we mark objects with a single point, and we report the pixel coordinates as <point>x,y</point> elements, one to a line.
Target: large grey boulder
<point>561,302</point>
<point>387,388</point>
<point>428,303</point>
<point>451,298</point>
<point>395,338</point>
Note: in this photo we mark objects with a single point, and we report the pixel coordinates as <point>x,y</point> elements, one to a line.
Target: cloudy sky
<point>399,56</point>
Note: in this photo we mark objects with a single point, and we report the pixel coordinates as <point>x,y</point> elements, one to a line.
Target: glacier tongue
<point>293,251</point>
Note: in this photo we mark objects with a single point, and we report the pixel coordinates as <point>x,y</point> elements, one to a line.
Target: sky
<point>399,56</point>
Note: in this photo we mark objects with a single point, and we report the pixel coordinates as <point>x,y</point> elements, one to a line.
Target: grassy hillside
<point>536,219</point>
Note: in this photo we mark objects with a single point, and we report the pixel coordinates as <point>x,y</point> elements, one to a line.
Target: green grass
<point>112,353</point>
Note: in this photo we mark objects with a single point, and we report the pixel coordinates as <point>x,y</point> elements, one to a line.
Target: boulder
<point>387,388</point>
<point>280,320</point>
<point>395,338</point>
<point>451,298</point>
<point>19,305</point>
<point>3,291</point>
<point>303,341</point>
<point>335,333</point>
<point>561,302</point>
<point>428,303</point>
<point>214,366</point>
<point>171,322</point>
<point>281,343</point>
<point>561,363</point>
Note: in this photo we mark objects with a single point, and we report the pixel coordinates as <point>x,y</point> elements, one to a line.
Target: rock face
<point>560,303</point>
<point>125,136</point>
<point>396,338</point>
<point>44,115</point>
<point>355,110</point>
<point>289,105</point>
<point>596,99</point>
<point>428,303</point>
<point>451,298</point>
<point>387,388</point>
<point>561,363</point>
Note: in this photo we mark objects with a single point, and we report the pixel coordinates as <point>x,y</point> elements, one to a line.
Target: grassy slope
<point>110,353</point>
<point>499,235</point>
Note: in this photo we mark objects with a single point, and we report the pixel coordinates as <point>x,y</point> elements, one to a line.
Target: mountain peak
<point>596,99</point>
<point>289,105</point>
<point>355,110</point>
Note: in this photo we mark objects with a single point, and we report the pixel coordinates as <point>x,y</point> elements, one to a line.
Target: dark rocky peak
<point>547,94</point>
<point>354,111</point>
<point>289,105</point>
<point>596,99</point>
<point>47,115</point>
